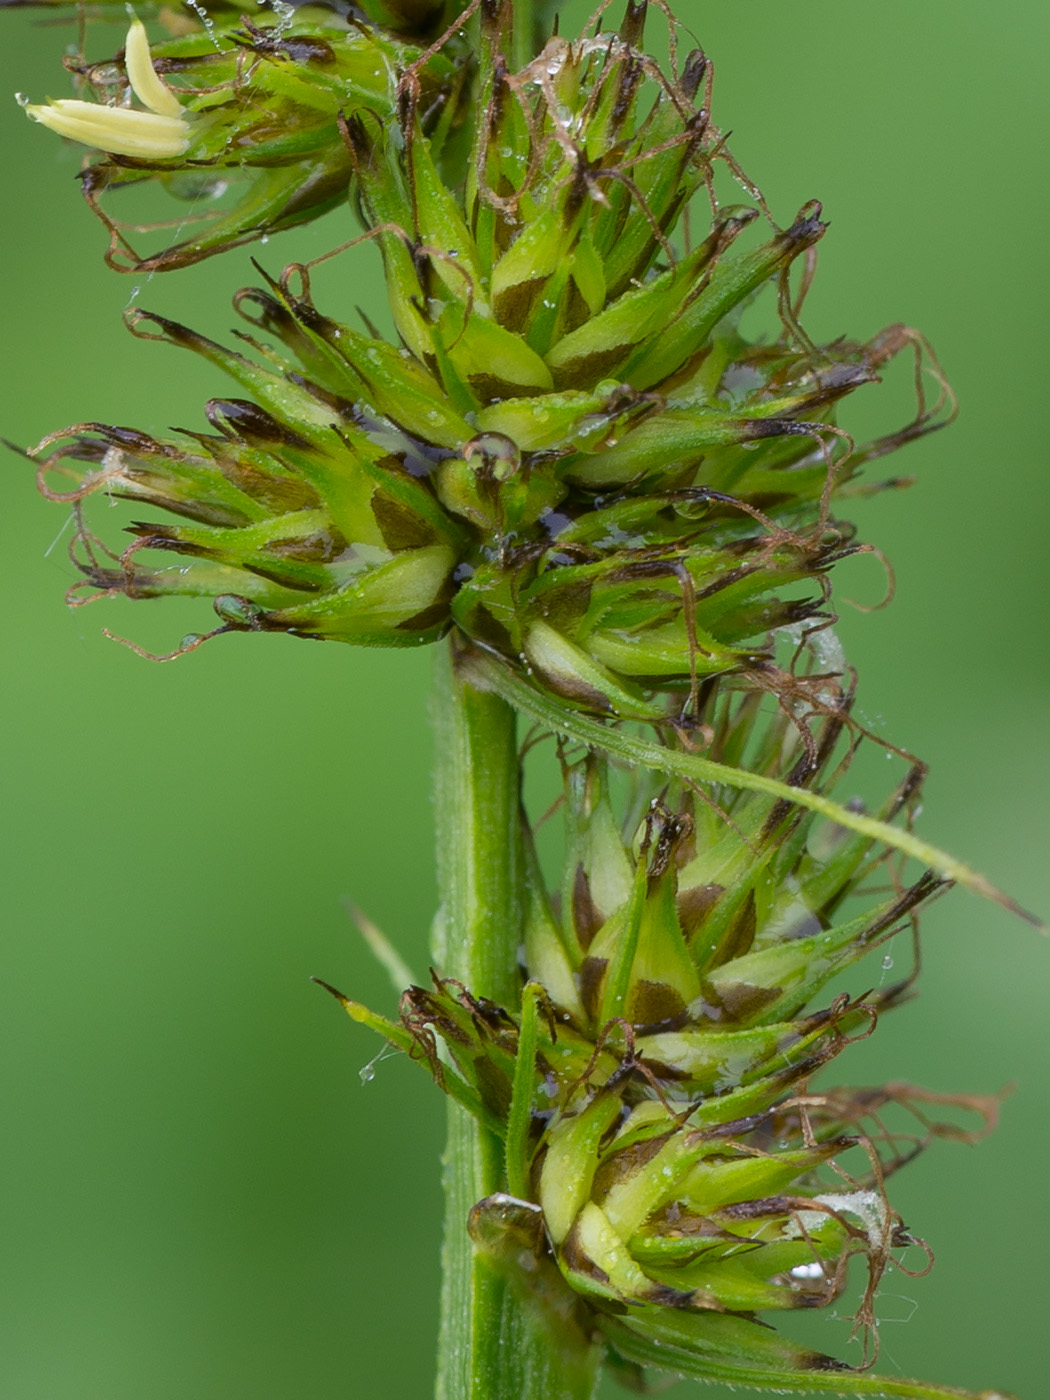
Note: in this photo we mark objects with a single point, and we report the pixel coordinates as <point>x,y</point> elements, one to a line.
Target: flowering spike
<point>573,459</point>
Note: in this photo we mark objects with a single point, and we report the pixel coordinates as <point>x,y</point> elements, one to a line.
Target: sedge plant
<point>596,464</point>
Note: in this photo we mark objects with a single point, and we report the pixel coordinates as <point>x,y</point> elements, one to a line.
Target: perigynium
<point>582,461</point>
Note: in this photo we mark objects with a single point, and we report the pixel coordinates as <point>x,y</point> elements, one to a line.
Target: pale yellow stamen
<point>150,90</point>
<point>121,130</point>
<point>159,134</point>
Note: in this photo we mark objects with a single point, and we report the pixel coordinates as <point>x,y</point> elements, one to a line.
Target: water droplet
<point>813,1270</point>
<point>285,16</point>
<point>887,962</point>
<point>368,1072</point>
<point>206,20</point>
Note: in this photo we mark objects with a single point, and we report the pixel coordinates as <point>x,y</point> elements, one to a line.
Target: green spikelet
<point>671,1167</point>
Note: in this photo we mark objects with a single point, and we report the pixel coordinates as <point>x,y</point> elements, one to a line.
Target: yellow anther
<point>158,134</point>
<point>121,130</point>
<point>150,90</point>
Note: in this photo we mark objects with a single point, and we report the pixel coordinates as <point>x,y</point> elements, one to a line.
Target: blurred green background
<point>199,1197</point>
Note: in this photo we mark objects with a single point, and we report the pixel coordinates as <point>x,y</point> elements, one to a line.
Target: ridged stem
<point>492,1345</point>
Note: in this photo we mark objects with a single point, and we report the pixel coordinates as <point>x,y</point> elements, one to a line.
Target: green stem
<point>492,1344</point>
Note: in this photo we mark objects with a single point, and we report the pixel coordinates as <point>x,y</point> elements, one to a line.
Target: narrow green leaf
<point>694,768</point>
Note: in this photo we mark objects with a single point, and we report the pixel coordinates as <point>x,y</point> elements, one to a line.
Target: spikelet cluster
<point>571,453</point>
<point>573,456</point>
<point>671,1168</point>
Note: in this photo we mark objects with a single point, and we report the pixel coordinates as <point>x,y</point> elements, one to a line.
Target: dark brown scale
<point>400,527</point>
<point>587,918</point>
<point>622,1165</point>
<point>695,904</point>
<point>246,420</point>
<point>741,1001</point>
<point>591,976</point>
<point>739,936</point>
<point>654,1006</point>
